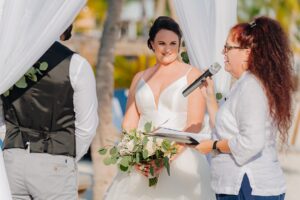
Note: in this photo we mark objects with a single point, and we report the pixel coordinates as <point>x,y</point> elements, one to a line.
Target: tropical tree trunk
<point>106,133</point>
<point>160,8</point>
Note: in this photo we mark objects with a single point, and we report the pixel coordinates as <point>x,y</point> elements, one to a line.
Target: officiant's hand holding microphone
<point>207,89</point>
<point>206,85</point>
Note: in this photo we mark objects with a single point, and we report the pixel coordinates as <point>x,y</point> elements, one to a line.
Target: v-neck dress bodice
<point>171,105</point>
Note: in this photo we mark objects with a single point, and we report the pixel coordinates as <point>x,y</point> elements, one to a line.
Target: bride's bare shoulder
<point>141,74</point>
<point>193,72</point>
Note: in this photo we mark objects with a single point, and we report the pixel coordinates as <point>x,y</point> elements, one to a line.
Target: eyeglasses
<point>228,48</point>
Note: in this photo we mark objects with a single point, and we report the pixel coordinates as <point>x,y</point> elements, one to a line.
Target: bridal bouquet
<point>135,148</point>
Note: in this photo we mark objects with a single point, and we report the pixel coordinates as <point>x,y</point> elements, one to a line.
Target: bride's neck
<point>166,66</point>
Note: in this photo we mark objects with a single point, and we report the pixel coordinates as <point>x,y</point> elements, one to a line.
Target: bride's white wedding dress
<point>190,174</point>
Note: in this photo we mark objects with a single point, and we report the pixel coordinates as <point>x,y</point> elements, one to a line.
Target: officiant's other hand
<point>204,147</point>
<point>144,169</point>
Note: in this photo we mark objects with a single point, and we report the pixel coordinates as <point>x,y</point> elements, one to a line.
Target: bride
<point>156,95</point>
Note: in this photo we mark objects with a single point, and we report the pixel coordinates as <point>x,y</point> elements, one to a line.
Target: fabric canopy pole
<point>27,29</point>
<point>205,25</point>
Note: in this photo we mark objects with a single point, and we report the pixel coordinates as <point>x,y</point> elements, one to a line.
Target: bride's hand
<point>180,148</point>
<point>144,169</point>
<point>204,147</point>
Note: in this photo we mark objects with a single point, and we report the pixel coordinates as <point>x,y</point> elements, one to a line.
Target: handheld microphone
<point>213,69</point>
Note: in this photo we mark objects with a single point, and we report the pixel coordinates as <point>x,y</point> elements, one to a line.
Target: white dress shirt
<point>245,121</point>
<point>85,104</point>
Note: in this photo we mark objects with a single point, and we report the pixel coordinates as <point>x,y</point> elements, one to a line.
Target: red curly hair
<point>271,61</point>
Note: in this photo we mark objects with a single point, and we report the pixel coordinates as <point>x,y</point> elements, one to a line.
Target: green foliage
<point>153,181</point>
<point>127,67</point>
<point>219,96</point>
<point>102,151</point>
<point>145,154</point>
<point>185,57</point>
<point>167,164</point>
<point>147,127</point>
<point>99,9</point>
<point>43,66</point>
<point>31,75</point>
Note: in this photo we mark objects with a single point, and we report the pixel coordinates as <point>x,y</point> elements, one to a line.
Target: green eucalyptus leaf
<point>152,170</point>
<point>33,77</point>
<point>113,151</point>
<point>21,83</point>
<point>167,164</point>
<point>114,160</point>
<point>219,96</point>
<point>102,151</point>
<point>107,161</point>
<point>145,153</point>
<point>166,145</point>
<point>31,71</point>
<point>43,66</point>
<point>152,181</point>
<point>125,161</point>
<point>158,163</point>
<point>145,140</point>
<point>137,157</point>
<point>185,57</point>
<point>147,127</point>
<point>6,93</point>
<point>123,168</point>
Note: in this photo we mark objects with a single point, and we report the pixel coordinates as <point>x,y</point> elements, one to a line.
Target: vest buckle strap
<point>35,141</point>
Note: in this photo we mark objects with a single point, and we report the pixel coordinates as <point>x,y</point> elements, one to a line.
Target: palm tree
<point>105,86</point>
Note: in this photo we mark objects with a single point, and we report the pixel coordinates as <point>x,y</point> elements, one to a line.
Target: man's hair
<point>67,34</point>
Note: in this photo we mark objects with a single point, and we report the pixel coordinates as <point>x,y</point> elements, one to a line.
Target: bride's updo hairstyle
<point>163,22</point>
<point>271,61</point>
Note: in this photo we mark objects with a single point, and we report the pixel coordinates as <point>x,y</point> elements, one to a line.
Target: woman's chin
<point>167,61</point>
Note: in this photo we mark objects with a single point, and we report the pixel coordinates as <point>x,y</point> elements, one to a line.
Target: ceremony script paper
<point>179,136</point>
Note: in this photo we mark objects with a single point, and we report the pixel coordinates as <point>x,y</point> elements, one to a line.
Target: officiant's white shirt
<point>244,120</point>
<point>85,104</point>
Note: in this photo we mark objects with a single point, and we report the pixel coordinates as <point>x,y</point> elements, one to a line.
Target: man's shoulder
<point>59,47</point>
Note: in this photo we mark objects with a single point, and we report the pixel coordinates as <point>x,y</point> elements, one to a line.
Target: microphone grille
<point>214,68</point>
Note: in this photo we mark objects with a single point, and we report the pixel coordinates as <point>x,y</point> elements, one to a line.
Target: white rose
<point>130,145</point>
<point>150,147</point>
<point>159,141</point>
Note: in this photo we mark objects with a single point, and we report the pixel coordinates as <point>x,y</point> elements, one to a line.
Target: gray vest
<point>42,114</point>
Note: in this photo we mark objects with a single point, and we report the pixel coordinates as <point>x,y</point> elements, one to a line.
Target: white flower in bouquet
<point>151,147</point>
<point>137,148</point>
<point>130,146</point>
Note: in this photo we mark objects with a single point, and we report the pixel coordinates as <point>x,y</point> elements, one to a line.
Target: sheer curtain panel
<point>205,25</point>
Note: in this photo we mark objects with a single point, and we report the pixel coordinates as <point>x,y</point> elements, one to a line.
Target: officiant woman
<point>244,164</point>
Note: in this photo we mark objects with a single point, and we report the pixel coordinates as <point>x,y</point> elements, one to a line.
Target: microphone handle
<point>192,87</point>
<point>196,83</point>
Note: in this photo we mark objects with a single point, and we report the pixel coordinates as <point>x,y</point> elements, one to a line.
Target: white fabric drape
<point>205,25</point>
<point>27,29</point>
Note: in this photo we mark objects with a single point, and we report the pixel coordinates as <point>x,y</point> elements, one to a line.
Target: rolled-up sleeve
<point>251,116</point>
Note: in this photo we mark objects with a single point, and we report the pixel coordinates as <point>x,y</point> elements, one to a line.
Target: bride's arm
<point>131,117</point>
<point>196,109</point>
<point>196,105</point>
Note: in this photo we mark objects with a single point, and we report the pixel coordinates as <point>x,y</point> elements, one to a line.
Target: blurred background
<point>116,60</point>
